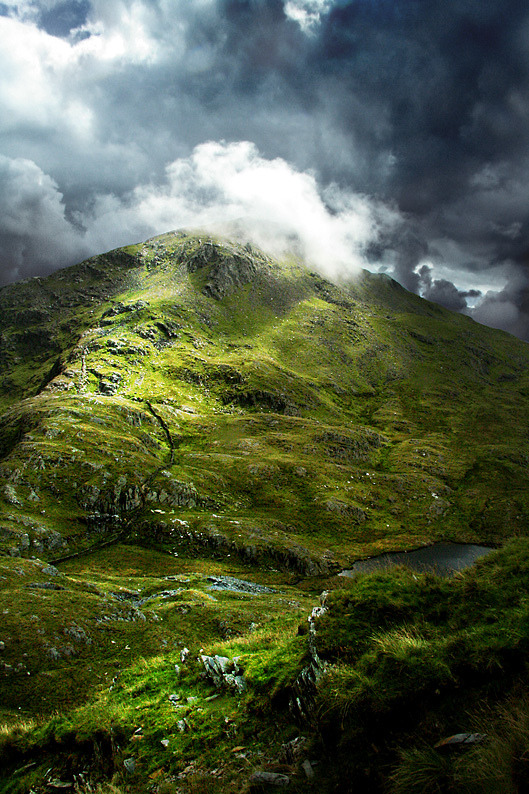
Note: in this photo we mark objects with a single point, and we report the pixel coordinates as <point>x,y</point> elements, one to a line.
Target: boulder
<point>224,672</point>
<point>270,779</point>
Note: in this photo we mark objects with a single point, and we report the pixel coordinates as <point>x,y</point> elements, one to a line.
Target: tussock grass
<point>498,765</point>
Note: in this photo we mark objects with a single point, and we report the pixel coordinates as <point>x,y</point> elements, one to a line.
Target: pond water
<point>441,558</point>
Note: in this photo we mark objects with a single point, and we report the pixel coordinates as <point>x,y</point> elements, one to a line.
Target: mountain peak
<point>224,266</point>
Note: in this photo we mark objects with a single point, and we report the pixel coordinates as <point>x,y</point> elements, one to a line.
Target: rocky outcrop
<point>224,672</point>
<point>359,447</point>
<point>115,504</point>
<point>234,585</point>
<point>31,539</point>
<point>226,269</point>
<point>303,701</point>
<point>124,308</point>
<point>260,398</point>
<point>209,541</point>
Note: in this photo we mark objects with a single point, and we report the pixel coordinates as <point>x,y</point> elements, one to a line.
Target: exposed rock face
<point>260,398</point>
<point>225,270</point>
<point>111,507</point>
<point>110,384</point>
<point>210,541</point>
<point>121,308</point>
<point>347,448</point>
<point>36,539</point>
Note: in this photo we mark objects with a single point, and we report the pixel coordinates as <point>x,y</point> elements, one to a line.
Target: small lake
<point>444,559</point>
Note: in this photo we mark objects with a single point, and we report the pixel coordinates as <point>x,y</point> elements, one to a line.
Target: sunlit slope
<point>195,394</point>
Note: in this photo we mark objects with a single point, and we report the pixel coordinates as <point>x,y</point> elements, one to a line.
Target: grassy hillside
<point>199,379</point>
<point>189,408</point>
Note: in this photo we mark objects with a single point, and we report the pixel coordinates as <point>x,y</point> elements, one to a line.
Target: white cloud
<point>226,187</point>
<point>307,13</point>
<point>32,65</point>
<point>221,188</point>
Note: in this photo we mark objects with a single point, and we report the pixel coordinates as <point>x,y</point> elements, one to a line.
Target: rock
<point>224,671</point>
<point>270,779</point>
<point>226,269</point>
<point>460,741</point>
<point>130,765</point>
<point>78,634</point>
<point>46,539</point>
<point>21,539</point>
<point>217,666</point>
<point>10,495</point>
<point>50,570</point>
<point>109,385</point>
<point>45,586</point>
<point>237,585</point>
<point>237,682</point>
<point>307,768</point>
<point>439,506</point>
<point>164,742</point>
<point>184,653</point>
<point>291,751</point>
<point>2,646</point>
<point>120,308</point>
<point>306,684</point>
<point>181,725</point>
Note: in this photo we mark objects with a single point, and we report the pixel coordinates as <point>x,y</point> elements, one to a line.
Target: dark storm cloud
<point>414,105</point>
<point>444,292</point>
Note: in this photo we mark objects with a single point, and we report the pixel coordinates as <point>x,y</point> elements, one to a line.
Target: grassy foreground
<point>407,659</point>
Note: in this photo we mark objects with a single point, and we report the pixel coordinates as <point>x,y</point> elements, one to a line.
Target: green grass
<point>268,425</point>
<point>411,659</point>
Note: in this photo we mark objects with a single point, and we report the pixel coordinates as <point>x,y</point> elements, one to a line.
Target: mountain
<point>189,411</point>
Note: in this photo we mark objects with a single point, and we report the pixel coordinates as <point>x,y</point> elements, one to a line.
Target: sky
<point>387,134</point>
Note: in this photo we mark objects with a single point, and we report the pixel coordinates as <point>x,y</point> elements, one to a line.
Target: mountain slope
<point>194,439</point>
<point>187,380</point>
